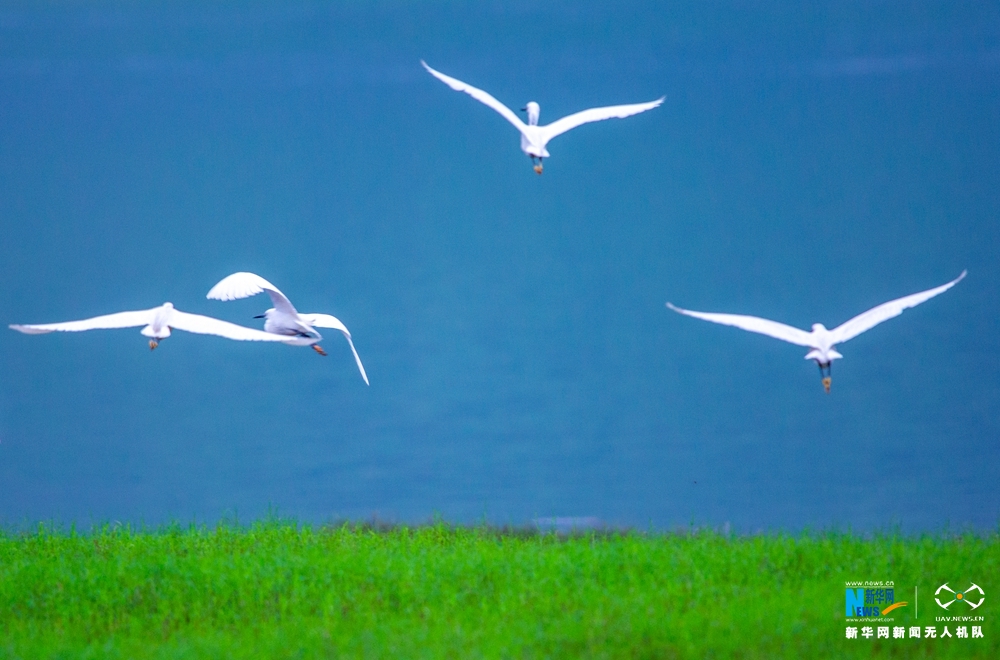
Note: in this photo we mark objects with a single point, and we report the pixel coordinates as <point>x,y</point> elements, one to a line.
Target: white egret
<point>820,340</point>
<point>158,323</point>
<point>535,137</point>
<point>283,319</point>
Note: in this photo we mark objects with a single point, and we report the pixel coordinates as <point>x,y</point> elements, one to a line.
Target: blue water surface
<point>808,163</point>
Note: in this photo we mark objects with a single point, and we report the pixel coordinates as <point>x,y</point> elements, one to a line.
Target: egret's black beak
<point>261,316</point>
<point>524,109</point>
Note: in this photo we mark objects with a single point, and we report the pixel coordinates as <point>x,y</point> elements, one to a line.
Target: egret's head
<point>265,315</point>
<point>819,327</point>
<point>533,111</point>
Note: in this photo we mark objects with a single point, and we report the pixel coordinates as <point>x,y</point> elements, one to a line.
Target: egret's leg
<point>318,349</point>
<point>538,166</point>
<point>153,344</point>
<point>826,371</point>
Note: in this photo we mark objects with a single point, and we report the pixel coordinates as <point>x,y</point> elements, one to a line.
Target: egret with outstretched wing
<point>535,137</point>
<point>820,340</point>
<point>158,323</point>
<point>283,319</point>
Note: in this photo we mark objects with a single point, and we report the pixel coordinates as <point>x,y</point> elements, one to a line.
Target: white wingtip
<point>357,358</point>
<point>27,329</point>
<point>240,285</point>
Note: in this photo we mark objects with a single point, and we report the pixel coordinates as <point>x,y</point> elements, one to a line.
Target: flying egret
<point>159,321</point>
<point>821,340</point>
<point>535,137</point>
<point>283,319</point>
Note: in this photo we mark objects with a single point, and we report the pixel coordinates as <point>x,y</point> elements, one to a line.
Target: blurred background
<point>807,164</point>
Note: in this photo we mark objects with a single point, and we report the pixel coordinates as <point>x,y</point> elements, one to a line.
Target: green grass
<point>281,590</point>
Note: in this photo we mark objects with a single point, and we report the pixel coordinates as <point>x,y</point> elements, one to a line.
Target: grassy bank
<point>285,591</point>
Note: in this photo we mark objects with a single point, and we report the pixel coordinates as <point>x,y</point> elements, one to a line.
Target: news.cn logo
<point>871,602</point>
<point>962,596</point>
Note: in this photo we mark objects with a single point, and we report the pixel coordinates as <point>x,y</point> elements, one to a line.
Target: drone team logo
<point>956,596</point>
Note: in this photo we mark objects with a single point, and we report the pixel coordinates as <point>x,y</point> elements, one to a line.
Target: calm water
<point>804,167</point>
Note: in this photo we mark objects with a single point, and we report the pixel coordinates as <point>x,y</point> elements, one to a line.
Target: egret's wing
<point>479,95</point>
<point>596,114</point>
<point>327,321</point>
<point>886,311</point>
<point>755,324</point>
<point>206,325</point>
<point>106,322</point>
<point>244,285</point>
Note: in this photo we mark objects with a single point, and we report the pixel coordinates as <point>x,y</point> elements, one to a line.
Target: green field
<point>281,590</point>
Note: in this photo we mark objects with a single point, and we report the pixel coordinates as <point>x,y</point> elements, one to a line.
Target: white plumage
<point>283,319</point>
<point>534,138</point>
<point>821,340</point>
<point>158,323</point>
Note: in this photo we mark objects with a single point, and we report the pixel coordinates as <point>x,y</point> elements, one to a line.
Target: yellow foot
<point>538,168</point>
<point>316,347</point>
<point>826,384</point>
<point>153,344</point>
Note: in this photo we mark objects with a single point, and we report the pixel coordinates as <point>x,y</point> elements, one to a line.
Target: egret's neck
<point>533,112</point>
<point>161,320</point>
<point>822,337</point>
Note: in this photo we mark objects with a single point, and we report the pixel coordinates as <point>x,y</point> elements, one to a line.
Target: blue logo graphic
<point>870,602</point>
